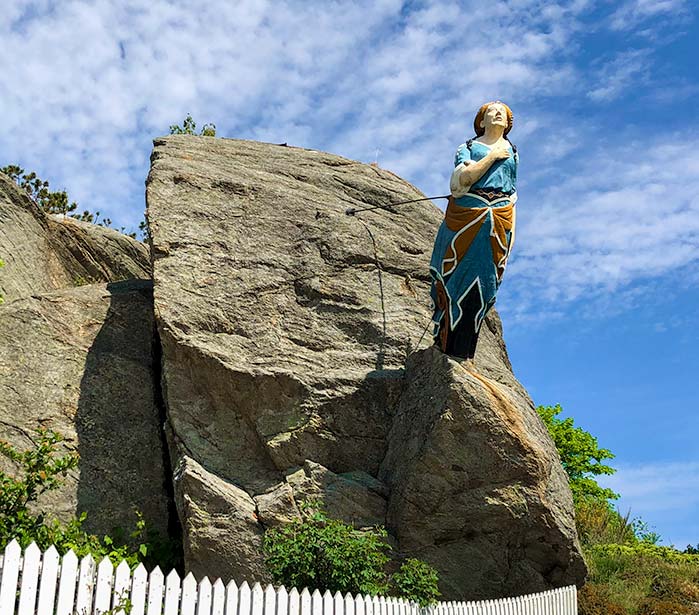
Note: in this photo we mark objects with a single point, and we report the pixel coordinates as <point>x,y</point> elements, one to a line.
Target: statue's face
<point>496,115</point>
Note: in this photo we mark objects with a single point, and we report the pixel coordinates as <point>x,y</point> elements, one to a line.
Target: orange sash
<point>467,221</point>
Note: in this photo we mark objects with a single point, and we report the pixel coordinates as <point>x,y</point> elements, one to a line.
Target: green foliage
<point>580,455</point>
<point>417,581</point>
<point>189,127</point>
<point>327,554</point>
<point>54,202</point>
<point>42,469</point>
<point>643,575</point>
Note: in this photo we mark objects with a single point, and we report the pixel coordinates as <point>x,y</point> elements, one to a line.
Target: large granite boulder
<point>48,252</point>
<point>85,363</point>
<point>286,325</point>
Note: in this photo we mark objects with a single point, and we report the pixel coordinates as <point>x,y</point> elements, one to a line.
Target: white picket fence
<point>46,584</point>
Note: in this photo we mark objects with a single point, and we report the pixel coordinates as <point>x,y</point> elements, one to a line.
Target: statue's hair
<point>480,131</point>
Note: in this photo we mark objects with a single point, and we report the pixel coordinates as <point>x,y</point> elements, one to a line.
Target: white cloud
<point>664,494</point>
<point>609,227</point>
<point>632,13</point>
<point>627,70</point>
<point>86,85</point>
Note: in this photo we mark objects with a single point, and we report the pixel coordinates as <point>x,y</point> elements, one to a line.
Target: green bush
<point>42,469</point>
<point>417,581</point>
<point>189,127</point>
<point>580,455</point>
<point>326,554</point>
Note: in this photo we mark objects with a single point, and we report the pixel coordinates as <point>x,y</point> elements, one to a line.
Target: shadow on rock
<point>123,463</point>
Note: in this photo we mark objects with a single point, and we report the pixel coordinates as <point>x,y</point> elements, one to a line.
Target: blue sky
<point>599,301</point>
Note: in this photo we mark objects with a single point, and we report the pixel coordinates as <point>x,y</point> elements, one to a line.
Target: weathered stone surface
<point>355,497</point>
<point>477,485</point>
<point>219,524</point>
<point>285,327</point>
<point>44,253</point>
<point>80,361</point>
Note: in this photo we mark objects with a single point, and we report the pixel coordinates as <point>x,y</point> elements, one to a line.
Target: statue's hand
<point>500,152</point>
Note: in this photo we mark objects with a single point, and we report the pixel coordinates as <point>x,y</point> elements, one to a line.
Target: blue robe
<point>471,250</point>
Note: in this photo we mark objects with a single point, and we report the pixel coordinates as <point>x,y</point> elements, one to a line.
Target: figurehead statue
<point>476,237</point>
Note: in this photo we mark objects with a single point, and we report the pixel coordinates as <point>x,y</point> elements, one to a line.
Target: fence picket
<point>122,582</point>
<point>245,599</point>
<point>47,585</point>
<point>218,598</point>
<point>138,590</point>
<point>338,604</point>
<point>155,591</point>
<point>306,601</point>
<point>232,596</point>
<point>349,604</point>
<point>66,586</point>
<point>10,575</point>
<point>258,600</point>
<point>86,584</point>
<point>327,603</point>
<point>270,601</point>
<point>103,589</point>
<point>282,601</point>
<point>204,597</point>
<point>294,602</point>
<point>189,595</point>
<point>30,580</point>
<point>359,606</point>
<point>172,593</point>
<point>316,603</point>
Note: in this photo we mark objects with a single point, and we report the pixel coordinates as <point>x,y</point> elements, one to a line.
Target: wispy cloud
<point>610,227</point>
<point>633,13</point>
<point>87,84</point>
<point>664,494</point>
<point>627,69</point>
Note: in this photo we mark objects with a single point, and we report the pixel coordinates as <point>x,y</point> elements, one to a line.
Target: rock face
<point>44,253</point>
<point>473,484</point>
<point>286,325</point>
<point>80,361</point>
<point>82,358</point>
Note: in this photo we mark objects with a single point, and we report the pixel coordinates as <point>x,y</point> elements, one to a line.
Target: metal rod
<point>351,210</point>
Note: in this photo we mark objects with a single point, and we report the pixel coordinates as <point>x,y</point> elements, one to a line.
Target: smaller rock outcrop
<point>48,252</point>
<point>476,483</point>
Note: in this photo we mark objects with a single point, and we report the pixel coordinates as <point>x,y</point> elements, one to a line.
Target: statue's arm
<point>473,171</point>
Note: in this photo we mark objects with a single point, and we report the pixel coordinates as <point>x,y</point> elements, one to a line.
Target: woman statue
<point>476,236</point>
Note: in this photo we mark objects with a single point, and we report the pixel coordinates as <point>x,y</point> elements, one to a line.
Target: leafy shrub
<point>327,554</point>
<point>189,127</point>
<point>417,581</point>
<point>41,469</point>
<point>580,455</point>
